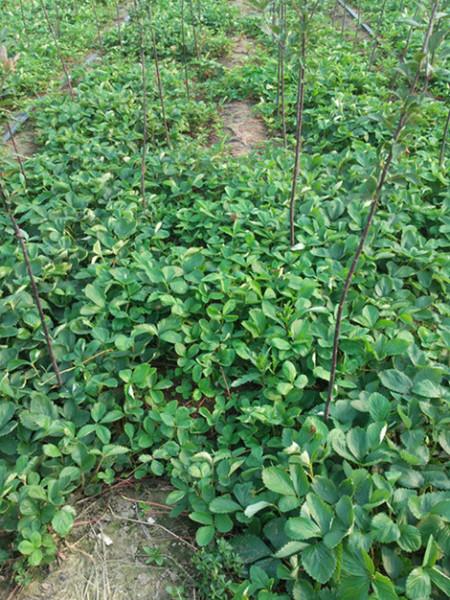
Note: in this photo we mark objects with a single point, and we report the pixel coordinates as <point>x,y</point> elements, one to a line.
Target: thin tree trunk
<point>144,107</point>
<point>58,49</point>
<point>24,21</point>
<point>410,32</point>
<point>183,42</point>
<point>119,28</point>
<point>194,30</point>
<point>444,140</point>
<point>282,69</point>
<point>279,58</point>
<point>299,134</point>
<point>21,239</point>
<point>16,152</point>
<point>373,208</point>
<point>97,24</point>
<point>378,33</point>
<point>158,76</point>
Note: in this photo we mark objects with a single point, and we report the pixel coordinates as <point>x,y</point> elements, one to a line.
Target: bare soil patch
<point>242,49</point>
<point>246,130</point>
<point>106,559</point>
<point>24,142</point>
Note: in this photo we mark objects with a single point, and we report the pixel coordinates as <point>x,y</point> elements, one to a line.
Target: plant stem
<point>299,130</point>
<point>21,239</point>
<point>403,118</point>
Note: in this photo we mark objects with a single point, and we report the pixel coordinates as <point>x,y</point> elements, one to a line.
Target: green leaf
<point>123,343</point>
<point>301,528</point>
<point>299,479</point>
<point>319,562</point>
<point>277,480</point>
<point>384,529</point>
<point>442,509</point>
<point>344,510</point>
<point>253,509</point>
<point>320,512</point>
<point>205,535</point>
<point>357,443</point>
<point>51,450</point>
<point>223,505</point>
<point>290,548</point>
<point>37,492</point>
<point>26,547</point>
<point>395,380</point>
<point>35,557</point>
<point>62,521</point>
<point>250,548</point>
<point>427,389</point>
<point>96,295</point>
<point>354,587</point>
<point>281,344</point>
<point>410,539</point>
<point>431,553</point>
<point>384,588</point>
<point>204,518</point>
<point>358,564</point>
<point>440,580</point>
<point>379,407</point>
<point>7,410</point>
<point>223,523</point>
<point>418,585</point>
<point>172,337</point>
<point>289,371</point>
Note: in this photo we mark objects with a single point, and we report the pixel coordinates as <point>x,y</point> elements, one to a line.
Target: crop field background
<point>224,299</point>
